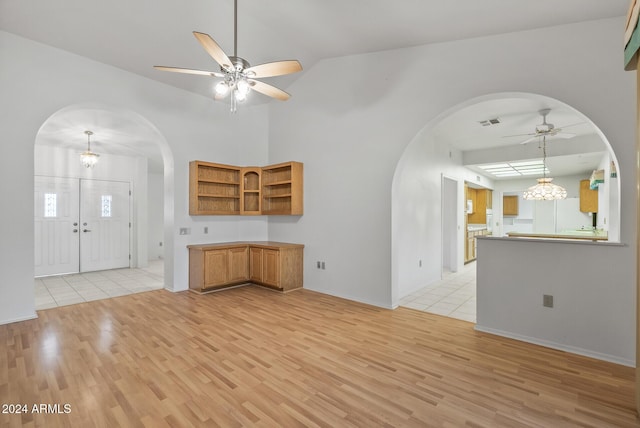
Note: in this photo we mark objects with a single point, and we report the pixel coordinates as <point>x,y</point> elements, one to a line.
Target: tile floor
<point>62,290</point>
<point>453,296</point>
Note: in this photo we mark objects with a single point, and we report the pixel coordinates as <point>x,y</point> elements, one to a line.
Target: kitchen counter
<point>588,235</point>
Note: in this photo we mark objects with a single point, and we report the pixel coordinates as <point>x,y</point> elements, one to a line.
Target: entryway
<point>63,290</point>
<point>81,225</point>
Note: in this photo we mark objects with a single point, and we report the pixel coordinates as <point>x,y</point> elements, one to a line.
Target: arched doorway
<point>135,158</point>
<point>456,144</point>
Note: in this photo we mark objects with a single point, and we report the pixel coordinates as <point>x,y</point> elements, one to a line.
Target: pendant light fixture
<point>88,158</point>
<point>545,190</point>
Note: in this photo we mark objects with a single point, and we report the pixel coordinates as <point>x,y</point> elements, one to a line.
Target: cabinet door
<point>216,268</point>
<point>271,267</point>
<point>510,205</point>
<point>588,198</point>
<point>238,264</point>
<point>255,263</point>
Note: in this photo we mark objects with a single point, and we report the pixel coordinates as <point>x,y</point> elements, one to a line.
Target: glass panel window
<point>106,205</point>
<point>50,204</point>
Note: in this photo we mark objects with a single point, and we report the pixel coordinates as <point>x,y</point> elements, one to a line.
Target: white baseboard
<point>28,317</point>
<point>558,346</point>
<point>348,297</point>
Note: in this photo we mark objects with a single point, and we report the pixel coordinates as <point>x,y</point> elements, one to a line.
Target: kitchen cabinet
<point>482,201</point>
<point>588,198</point>
<point>509,205</point>
<point>471,244</point>
<point>275,265</point>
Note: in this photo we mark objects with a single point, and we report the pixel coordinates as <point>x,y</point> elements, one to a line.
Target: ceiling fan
<point>546,129</point>
<point>238,76</point>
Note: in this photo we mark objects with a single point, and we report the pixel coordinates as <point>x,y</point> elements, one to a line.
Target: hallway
<point>453,296</point>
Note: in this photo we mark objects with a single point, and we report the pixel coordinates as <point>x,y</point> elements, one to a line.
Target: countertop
<point>589,235</point>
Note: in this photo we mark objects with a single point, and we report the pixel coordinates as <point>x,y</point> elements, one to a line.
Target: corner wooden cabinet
<point>275,265</point>
<point>218,189</point>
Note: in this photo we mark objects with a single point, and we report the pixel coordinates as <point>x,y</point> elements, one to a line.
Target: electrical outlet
<point>419,263</point>
<point>318,264</point>
<point>206,230</point>
<point>547,301</point>
<point>322,265</point>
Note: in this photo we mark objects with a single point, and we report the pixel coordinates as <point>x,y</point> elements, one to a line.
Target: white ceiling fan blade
<point>188,71</point>
<point>214,50</point>
<point>573,124</point>
<point>565,135</point>
<point>518,135</point>
<point>271,69</point>
<point>268,90</point>
<point>528,140</point>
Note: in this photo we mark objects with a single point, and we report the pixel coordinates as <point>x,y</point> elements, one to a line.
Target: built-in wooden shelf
<point>218,189</point>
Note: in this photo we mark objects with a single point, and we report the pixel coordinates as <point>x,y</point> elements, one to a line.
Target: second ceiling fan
<point>238,76</point>
<point>546,129</point>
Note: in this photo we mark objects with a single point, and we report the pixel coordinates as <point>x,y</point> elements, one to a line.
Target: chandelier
<point>88,158</point>
<point>544,190</point>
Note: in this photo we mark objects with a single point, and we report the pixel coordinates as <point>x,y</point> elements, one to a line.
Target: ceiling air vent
<point>489,122</point>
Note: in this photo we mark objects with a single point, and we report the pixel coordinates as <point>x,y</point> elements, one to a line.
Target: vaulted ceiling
<point>134,35</point>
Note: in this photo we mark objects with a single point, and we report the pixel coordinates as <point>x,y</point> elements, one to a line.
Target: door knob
<point>75,224</point>
<point>75,230</point>
<point>86,230</point>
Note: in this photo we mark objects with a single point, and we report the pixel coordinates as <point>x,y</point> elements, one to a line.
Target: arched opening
<point>454,147</point>
<point>84,232</point>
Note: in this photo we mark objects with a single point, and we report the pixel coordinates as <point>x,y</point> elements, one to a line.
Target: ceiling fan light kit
<point>238,77</point>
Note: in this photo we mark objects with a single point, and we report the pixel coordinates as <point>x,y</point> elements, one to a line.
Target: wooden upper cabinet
<point>588,198</point>
<point>479,198</point>
<point>282,189</point>
<point>250,191</point>
<point>214,189</point>
<point>510,205</point>
<point>218,189</point>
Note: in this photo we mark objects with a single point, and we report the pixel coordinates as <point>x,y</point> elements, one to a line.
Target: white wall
<point>594,304</point>
<point>155,198</point>
<point>188,127</point>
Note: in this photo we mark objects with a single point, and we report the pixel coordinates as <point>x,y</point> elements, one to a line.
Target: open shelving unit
<point>250,203</point>
<point>282,189</point>
<point>214,189</point>
<point>217,189</point>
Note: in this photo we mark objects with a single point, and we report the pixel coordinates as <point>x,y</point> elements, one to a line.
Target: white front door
<point>80,225</point>
<point>56,225</point>
<point>104,225</point>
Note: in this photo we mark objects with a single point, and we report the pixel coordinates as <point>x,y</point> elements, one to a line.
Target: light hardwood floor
<point>253,357</point>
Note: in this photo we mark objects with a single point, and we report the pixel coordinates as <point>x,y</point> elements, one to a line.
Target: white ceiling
<point>134,35</point>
